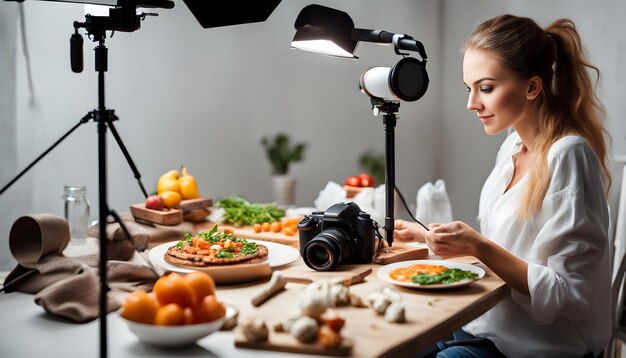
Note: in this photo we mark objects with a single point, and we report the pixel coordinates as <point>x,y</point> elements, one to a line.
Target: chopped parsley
<point>224,254</point>
<point>448,276</point>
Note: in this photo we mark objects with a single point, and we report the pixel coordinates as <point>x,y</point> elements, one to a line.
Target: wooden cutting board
<point>400,252</point>
<point>247,232</point>
<point>189,207</point>
<point>163,217</point>
<point>283,342</point>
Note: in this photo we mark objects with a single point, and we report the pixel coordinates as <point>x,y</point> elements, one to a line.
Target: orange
<point>201,284</point>
<point>257,227</point>
<point>140,307</point>
<point>287,230</point>
<point>208,310</point>
<point>174,289</point>
<point>170,315</point>
<point>171,199</point>
<point>188,315</point>
<point>276,226</point>
<point>265,226</point>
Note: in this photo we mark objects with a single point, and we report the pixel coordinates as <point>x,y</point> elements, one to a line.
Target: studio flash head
<point>406,80</point>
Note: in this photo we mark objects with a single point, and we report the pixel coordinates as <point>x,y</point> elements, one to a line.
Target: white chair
<point>618,289</point>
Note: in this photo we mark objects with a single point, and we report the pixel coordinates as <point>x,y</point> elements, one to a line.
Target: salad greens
<point>240,212</point>
<point>448,276</point>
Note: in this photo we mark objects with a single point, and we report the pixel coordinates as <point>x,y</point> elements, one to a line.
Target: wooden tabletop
<point>431,314</point>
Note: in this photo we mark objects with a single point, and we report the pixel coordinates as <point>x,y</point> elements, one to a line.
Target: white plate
<point>176,336</point>
<point>383,273</point>
<point>279,255</point>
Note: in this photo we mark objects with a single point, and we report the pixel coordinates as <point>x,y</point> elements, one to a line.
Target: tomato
<point>365,180</point>
<point>352,181</point>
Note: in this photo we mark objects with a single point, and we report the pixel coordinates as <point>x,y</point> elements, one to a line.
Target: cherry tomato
<point>365,180</point>
<point>352,181</point>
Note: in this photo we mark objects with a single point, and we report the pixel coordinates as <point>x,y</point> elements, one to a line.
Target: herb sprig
<point>448,276</point>
<point>239,211</point>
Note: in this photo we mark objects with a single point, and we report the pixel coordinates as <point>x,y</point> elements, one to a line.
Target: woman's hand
<point>407,231</point>
<point>452,239</point>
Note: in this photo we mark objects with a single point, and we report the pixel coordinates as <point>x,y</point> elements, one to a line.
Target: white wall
<point>468,153</point>
<point>205,97</point>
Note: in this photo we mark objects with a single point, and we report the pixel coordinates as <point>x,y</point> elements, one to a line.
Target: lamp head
<point>406,80</point>
<point>325,31</point>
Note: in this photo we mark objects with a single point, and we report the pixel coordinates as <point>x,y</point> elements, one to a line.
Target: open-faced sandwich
<point>214,248</point>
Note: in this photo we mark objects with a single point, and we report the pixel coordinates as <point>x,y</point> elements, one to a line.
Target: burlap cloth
<point>69,287</point>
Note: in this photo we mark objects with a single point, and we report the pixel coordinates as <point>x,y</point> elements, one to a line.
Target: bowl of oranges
<point>177,312</point>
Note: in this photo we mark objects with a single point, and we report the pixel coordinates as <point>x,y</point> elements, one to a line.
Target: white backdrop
<point>205,97</point>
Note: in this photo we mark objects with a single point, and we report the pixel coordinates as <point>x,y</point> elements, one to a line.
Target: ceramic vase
<point>284,187</point>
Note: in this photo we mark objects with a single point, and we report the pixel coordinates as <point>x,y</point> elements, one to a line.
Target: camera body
<point>343,234</point>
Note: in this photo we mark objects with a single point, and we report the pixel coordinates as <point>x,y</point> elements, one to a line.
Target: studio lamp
<point>331,32</point>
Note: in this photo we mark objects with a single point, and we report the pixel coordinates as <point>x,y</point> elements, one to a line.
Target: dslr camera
<point>343,234</point>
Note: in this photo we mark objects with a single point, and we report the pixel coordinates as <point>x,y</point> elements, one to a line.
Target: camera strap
<point>381,241</point>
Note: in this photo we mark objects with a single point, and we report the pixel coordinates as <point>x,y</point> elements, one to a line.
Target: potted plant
<point>374,164</point>
<point>281,154</point>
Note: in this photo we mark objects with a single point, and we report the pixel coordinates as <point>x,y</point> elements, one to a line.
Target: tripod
<point>104,118</point>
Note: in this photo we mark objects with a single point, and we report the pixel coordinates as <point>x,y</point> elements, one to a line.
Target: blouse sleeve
<point>569,259</point>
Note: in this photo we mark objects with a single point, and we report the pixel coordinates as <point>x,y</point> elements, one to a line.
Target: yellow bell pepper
<point>168,181</point>
<point>188,185</point>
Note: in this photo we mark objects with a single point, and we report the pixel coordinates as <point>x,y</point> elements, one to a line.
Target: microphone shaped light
<point>406,80</point>
<point>326,31</point>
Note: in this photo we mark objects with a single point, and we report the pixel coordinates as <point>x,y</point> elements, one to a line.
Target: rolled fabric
<point>69,287</point>
<point>33,237</point>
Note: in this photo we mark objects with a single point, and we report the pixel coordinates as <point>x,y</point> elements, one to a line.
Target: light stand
<point>331,32</point>
<point>389,110</point>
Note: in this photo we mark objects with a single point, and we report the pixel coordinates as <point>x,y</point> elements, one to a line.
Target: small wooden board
<point>165,217</point>
<point>400,252</point>
<point>195,204</point>
<point>283,342</point>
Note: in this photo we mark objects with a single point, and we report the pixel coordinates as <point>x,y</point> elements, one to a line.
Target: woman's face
<point>496,94</point>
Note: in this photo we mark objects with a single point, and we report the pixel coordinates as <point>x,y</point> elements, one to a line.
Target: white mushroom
<point>381,299</point>
<point>395,313</point>
<point>254,329</point>
<point>304,329</point>
<point>380,304</point>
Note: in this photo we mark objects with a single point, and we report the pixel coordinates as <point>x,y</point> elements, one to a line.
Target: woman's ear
<point>534,88</point>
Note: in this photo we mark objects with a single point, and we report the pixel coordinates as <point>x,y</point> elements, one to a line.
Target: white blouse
<point>566,247</point>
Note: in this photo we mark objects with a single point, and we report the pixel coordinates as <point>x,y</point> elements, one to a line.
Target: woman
<point>543,212</point>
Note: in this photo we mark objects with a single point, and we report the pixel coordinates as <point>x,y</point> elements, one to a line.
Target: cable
<point>407,208</point>
<point>29,74</point>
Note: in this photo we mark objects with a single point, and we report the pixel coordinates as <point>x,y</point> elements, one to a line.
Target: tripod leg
<point>85,119</point>
<point>128,159</point>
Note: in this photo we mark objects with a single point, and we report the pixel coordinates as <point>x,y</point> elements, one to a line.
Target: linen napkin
<point>68,287</point>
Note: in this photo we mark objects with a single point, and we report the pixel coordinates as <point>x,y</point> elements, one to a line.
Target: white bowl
<point>176,336</point>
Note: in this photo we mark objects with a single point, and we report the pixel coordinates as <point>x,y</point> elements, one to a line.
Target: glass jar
<point>77,212</point>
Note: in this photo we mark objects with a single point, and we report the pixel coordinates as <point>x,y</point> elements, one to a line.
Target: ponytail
<point>570,106</point>
<point>568,103</point>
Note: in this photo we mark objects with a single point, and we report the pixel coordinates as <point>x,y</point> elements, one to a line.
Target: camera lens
<point>327,250</point>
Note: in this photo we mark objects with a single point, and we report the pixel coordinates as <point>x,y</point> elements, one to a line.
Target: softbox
<point>224,13</point>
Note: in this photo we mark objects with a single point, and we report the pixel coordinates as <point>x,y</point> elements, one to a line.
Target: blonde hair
<point>568,103</point>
